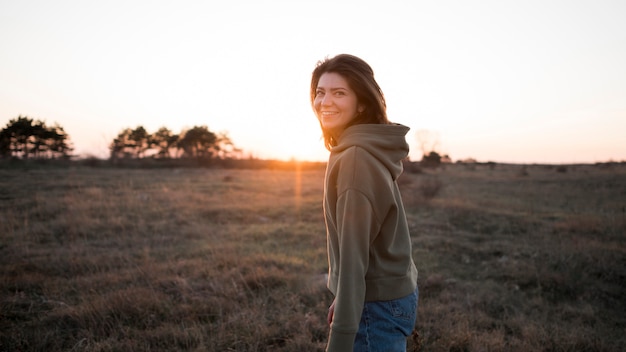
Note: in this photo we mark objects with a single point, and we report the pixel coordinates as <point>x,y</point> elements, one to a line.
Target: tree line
<point>197,143</point>
<point>26,138</point>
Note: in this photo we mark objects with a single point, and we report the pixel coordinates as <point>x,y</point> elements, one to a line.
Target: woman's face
<point>335,102</point>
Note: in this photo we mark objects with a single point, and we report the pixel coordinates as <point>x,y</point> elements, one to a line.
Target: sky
<point>505,81</point>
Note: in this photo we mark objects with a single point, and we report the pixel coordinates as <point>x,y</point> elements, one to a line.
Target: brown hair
<point>360,78</point>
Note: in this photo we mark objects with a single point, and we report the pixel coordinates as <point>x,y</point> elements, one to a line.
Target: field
<point>511,258</point>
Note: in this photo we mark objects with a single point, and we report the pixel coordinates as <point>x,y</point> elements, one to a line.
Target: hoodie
<point>369,245</point>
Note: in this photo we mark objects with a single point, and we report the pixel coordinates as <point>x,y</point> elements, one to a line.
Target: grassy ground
<point>511,258</point>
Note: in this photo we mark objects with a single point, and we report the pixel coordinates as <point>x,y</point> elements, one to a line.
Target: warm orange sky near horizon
<point>505,81</point>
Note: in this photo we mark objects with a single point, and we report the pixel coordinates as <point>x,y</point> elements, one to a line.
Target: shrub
<point>429,187</point>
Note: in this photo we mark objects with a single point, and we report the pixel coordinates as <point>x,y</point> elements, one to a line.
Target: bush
<point>429,187</point>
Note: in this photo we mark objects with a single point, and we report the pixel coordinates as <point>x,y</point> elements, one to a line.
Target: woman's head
<point>345,93</point>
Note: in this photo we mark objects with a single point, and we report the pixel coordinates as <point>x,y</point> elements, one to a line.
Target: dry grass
<point>532,262</point>
<point>223,260</point>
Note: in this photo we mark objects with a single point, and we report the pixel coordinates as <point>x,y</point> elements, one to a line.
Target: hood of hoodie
<point>387,143</point>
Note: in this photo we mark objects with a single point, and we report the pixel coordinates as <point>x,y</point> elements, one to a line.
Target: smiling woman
<point>369,248</point>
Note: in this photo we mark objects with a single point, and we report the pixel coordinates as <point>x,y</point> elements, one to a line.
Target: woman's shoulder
<point>355,156</point>
<point>355,165</point>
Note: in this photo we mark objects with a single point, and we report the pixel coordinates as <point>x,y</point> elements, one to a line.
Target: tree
<point>18,132</point>
<point>199,143</point>
<point>164,141</point>
<point>51,142</point>
<point>120,147</point>
<point>130,143</point>
<point>140,141</point>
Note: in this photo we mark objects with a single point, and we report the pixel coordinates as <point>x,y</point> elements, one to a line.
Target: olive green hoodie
<point>369,246</point>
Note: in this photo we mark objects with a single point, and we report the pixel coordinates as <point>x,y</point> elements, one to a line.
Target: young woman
<point>371,269</point>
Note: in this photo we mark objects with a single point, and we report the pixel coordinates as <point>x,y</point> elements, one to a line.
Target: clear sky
<point>508,81</point>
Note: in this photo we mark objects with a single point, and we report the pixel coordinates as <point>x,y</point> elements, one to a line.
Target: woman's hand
<point>331,312</point>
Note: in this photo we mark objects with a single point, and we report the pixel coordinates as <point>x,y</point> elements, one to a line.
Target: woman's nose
<point>327,100</point>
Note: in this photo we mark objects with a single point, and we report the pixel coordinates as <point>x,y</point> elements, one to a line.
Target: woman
<point>371,269</point>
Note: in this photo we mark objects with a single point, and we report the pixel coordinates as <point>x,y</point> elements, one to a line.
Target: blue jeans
<point>385,325</point>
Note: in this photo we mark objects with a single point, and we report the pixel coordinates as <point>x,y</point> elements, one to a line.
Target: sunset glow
<point>505,81</point>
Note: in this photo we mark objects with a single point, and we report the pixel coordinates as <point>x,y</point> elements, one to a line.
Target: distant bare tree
<point>428,142</point>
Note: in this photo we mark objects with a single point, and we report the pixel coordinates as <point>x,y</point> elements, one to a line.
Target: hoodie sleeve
<point>356,226</point>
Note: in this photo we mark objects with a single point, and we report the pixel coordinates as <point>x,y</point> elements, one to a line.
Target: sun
<point>303,146</point>
<point>302,151</point>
